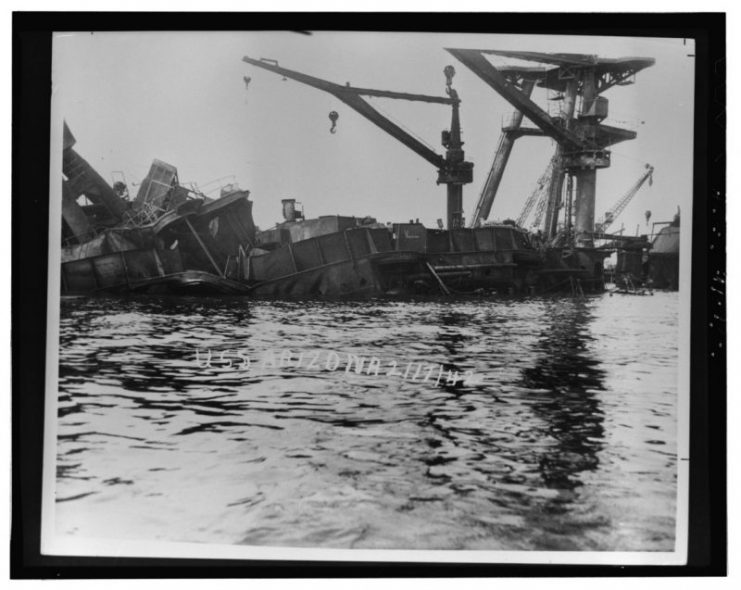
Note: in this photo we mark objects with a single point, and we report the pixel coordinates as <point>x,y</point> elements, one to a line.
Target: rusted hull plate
<point>370,276</point>
<point>664,270</point>
<point>475,270</point>
<point>151,271</point>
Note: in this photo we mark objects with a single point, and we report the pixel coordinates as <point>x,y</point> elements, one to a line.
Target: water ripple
<point>567,440</point>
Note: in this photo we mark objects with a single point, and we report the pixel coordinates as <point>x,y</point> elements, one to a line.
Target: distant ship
<point>663,257</point>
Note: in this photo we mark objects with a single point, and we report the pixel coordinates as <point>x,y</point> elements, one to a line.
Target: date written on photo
<point>332,361</point>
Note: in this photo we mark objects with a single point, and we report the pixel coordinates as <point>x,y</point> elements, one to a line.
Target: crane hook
<point>333,116</point>
<point>449,72</point>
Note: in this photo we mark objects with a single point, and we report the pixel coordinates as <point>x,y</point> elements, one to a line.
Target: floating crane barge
<point>502,257</point>
<point>456,259</point>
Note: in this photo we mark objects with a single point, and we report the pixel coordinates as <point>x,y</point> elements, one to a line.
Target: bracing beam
<point>476,62</point>
<point>504,150</point>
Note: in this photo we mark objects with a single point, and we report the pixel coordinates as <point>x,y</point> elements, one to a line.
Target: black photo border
<point>31,85</point>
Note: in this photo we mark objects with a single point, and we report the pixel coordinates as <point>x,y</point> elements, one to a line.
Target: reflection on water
<point>570,380</point>
<point>566,443</point>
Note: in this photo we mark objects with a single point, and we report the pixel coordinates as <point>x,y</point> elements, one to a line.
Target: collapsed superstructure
<point>167,239</point>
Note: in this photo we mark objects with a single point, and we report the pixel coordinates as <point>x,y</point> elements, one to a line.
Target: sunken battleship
<point>174,239</point>
<point>169,239</point>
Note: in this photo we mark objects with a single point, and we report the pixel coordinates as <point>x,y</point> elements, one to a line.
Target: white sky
<point>180,97</point>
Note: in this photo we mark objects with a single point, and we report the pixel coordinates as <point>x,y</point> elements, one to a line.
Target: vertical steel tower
<point>581,136</point>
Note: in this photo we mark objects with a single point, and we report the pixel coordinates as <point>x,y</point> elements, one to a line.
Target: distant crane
<point>610,216</point>
<point>539,196</point>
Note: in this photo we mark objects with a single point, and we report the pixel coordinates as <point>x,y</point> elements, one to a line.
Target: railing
<point>147,214</point>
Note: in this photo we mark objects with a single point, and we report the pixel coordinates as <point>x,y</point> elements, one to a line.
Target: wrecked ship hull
<point>569,269</point>
<point>356,262</point>
<point>492,258</point>
<point>141,271</point>
<point>189,282</point>
<point>169,239</point>
<point>310,258</point>
<point>372,276</point>
<point>193,249</point>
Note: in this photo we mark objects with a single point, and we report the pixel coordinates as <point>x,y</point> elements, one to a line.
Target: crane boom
<point>612,214</point>
<point>504,150</point>
<point>452,168</point>
<point>352,98</point>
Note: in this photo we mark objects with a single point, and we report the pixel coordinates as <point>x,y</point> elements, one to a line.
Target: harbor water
<point>479,423</point>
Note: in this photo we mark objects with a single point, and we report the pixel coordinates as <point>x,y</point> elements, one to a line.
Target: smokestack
<point>289,209</point>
